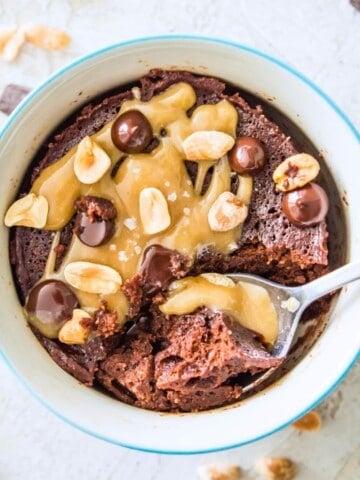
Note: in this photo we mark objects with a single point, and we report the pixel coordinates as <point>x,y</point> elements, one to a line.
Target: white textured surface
<point>321,39</point>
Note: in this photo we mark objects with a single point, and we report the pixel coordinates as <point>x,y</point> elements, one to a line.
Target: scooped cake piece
<point>129,217</point>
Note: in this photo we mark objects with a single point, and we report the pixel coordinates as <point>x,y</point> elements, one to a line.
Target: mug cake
<point>128,220</point>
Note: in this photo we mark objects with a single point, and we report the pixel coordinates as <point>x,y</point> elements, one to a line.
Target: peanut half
<point>46,37</point>
<point>219,471</point>
<point>276,468</point>
<point>207,145</point>
<point>72,332</point>
<point>309,422</point>
<point>11,42</point>
<point>295,172</point>
<point>28,211</point>
<point>154,211</point>
<point>227,212</point>
<point>93,277</point>
<point>91,161</point>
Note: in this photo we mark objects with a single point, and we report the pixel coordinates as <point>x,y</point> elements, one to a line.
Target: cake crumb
<point>112,247</point>
<point>137,249</point>
<point>167,183</point>
<point>104,322</point>
<point>291,304</point>
<point>309,423</point>
<point>59,249</point>
<point>219,471</point>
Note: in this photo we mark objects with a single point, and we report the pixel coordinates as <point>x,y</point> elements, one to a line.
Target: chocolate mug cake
<point>127,221</point>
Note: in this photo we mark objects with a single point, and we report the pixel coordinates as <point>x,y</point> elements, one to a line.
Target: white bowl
<point>295,393</point>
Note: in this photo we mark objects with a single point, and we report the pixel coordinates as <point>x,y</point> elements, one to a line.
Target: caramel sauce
<point>249,304</point>
<point>164,169</point>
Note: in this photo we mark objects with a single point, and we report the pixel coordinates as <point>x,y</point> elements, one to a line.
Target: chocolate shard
<point>11,97</point>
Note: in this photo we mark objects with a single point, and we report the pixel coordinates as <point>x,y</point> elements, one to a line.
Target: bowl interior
<point>287,398</point>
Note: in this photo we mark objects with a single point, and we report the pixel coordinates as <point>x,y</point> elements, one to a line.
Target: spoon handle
<point>330,282</point>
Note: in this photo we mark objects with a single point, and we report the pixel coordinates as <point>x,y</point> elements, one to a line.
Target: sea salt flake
<point>291,304</point>
<point>112,247</point>
<point>123,257</point>
<point>136,170</point>
<point>172,197</point>
<point>137,250</point>
<point>186,194</point>
<point>167,183</point>
<point>130,223</point>
<point>186,211</point>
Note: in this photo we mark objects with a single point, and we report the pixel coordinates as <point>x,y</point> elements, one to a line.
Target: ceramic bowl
<point>313,377</point>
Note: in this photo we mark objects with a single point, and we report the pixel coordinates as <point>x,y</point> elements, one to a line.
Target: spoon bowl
<point>290,303</point>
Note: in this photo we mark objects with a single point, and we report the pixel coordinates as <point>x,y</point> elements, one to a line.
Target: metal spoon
<point>290,303</point>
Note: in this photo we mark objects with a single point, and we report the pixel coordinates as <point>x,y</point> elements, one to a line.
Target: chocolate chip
<point>156,265</point>
<point>306,206</point>
<point>160,266</point>
<point>94,224</point>
<point>11,97</point>
<point>247,156</point>
<point>131,132</point>
<point>93,233</point>
<point>49,305</point>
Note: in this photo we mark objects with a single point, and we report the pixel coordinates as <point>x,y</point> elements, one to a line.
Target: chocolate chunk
<point>306,206</point>
<point>94,224</point>
<point>49,305</point>
<point>355,4</point>
<point>11,97</point>
<point>93,233</point>
<point>247,155</point>
<point>131,132</point>
<point>160,266</point>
